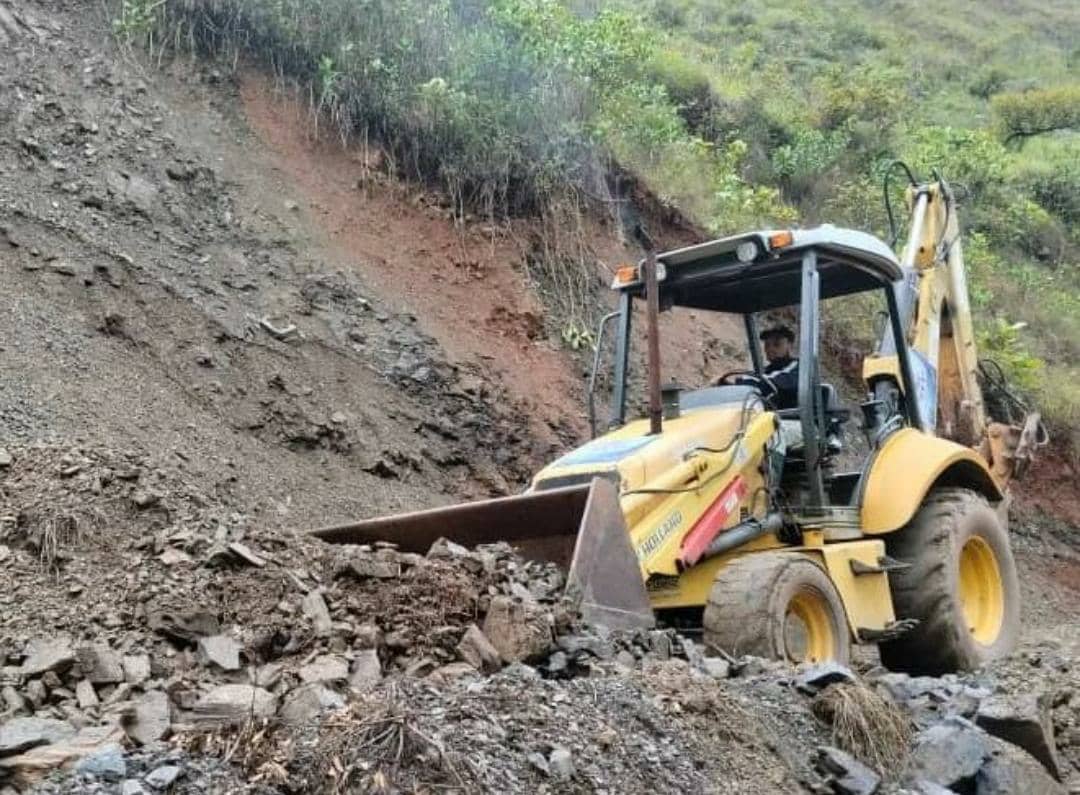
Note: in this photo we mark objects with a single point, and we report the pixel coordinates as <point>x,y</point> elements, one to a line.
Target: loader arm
<point>940,335</point>
<point>942,331</point>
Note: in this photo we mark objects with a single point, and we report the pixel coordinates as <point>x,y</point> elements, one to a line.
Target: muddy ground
<point>216,332</point>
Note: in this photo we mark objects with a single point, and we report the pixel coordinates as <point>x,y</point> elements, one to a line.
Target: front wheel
<point>779,605</point>
<point>961,586</point>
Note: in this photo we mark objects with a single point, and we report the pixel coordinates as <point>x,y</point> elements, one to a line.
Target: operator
<point>782,371</point>
<point>781,374</point>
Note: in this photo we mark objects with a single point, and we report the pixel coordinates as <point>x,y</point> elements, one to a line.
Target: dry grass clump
<point>865,723</point>
<point>379,747</point>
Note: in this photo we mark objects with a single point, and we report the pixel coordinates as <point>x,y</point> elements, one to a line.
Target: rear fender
<point>909,464</point>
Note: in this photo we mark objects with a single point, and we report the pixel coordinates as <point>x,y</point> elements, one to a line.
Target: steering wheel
<point>763,385</point>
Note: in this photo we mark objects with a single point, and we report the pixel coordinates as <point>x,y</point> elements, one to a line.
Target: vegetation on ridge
<point>737,114</point>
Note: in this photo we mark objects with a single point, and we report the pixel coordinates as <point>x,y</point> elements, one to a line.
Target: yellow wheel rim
<point>808,628</point>
<point>981,594</point>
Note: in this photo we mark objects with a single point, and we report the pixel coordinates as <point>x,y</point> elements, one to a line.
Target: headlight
<point>746,251</point>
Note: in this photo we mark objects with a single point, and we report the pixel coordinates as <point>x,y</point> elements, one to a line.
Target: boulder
<point>519,631</point>
<point>1009,770</point>
<point>26,768</point>
<point>847,775</point>
<point>220,650</point>
<point>100,664</point>
<point>716,667</point>
<point>48,654</point>
<point>308,702</point>
<point>814,678</point>
<point>1023,720</point>
<point>161,778</point>
<point>314,607</point>
<point>576,645</point>
<point>85,694</point>
<point>448,673</point>
<point>366,671</point>
<point>478,651</point>
<point>105,763</point>
<point>234,704</point>
<point>949,753</point>
<point>22,734</point>
<point>325,668</point>
<point>14,703</point>
<point>151,718</point>
<point>366,567</point>
<point>136,668</point>
<point>561,764</point>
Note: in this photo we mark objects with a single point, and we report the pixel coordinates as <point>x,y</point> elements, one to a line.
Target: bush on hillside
<point>1055,184</point>
<point>874,96</point>
<point>510,105</point>
<point>971,157</point>
<point>1025,114</point>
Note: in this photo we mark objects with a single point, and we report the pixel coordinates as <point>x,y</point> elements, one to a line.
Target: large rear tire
<point>779,605</point>
<point>961,587</point>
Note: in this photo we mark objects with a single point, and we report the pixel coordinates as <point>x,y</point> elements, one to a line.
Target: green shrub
<point>801,163</point>
<point>1025,114</point>
<point>874,95</point>
<point>136,18</point>
<point>686,83</point>
<point>1055,184</point>
<point>1000,340</point>
<point>988,83</point>
<point>972,157</point>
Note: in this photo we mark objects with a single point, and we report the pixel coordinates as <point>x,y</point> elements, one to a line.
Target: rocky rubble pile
<point>179,638</point>
<point>348,618</point>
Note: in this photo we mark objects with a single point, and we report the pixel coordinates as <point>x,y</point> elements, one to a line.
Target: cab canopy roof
<point>763,270</point>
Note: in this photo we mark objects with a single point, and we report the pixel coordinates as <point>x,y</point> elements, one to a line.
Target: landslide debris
<point>189,652</point>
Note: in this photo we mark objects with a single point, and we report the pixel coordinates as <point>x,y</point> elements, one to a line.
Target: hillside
<point>772,113</point>
<point>268,265</point>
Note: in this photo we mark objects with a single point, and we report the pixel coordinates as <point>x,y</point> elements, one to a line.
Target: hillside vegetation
<point>742,114</point>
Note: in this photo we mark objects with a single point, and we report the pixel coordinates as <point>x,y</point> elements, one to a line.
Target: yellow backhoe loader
<point>723,512</point>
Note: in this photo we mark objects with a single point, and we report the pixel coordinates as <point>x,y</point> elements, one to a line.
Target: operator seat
<point>835,417</point>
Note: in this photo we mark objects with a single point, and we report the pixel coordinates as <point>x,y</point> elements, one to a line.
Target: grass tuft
<point>865,723</point>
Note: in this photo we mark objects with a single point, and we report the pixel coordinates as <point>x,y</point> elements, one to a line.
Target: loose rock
<point>847,775</point>
<point>100,664</point>
<point>151,718</point>
<point>948,753</point>
<point>1023,720</point>
<point>22,734</point>
<point>326,668</point>
<point>235,704</point>
<point>817,677</point>
<point>307,702</point>
<point>136,668</point>
<point>1009,770</point>
<point>163,777</point>
<point>48,654</point>
<point>220,650</point>
<point>518,631</point>
<point>314,607</point>
<point>106,763</point>
<point>561,764</point>
<point>85,694</point>
<point>477,650</point>
<point>366,670</point>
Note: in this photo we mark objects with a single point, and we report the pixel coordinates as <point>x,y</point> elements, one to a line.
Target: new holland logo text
<point>657,537</point>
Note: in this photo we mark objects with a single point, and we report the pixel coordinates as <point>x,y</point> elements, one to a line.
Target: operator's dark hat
<point>778,331</point>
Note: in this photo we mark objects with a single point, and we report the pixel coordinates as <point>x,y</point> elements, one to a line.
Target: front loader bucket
<point>579,527</point>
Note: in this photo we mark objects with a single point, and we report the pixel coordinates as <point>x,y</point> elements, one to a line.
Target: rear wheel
<point>780,605</point>
<point>961,587</point>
